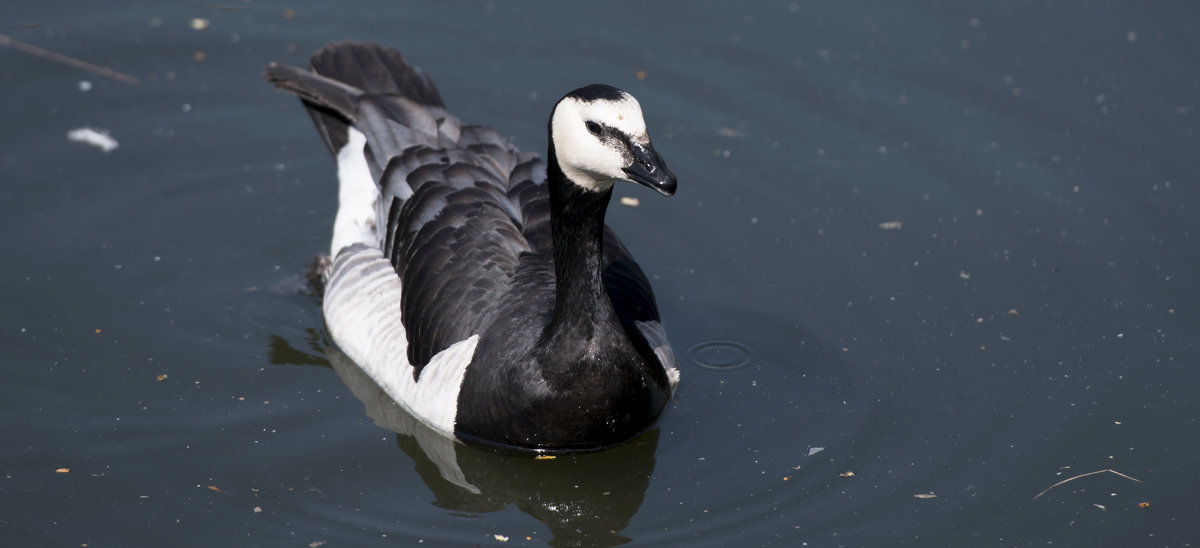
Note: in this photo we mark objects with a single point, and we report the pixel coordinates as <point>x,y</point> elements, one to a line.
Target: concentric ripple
<point>721,355</point>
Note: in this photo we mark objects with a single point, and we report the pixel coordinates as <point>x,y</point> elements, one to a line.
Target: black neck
<point>581,301</point>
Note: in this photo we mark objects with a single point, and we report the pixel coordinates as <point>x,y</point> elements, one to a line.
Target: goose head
<point>599,137</point>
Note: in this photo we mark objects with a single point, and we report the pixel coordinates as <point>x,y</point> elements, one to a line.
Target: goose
<point>476,284</point>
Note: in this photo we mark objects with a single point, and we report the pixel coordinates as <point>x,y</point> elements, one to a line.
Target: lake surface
<point>927,260</point>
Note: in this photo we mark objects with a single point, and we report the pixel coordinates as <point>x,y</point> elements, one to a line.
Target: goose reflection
<point>584,499</point>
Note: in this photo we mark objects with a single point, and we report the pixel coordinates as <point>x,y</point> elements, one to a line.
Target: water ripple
<point>721,355</point>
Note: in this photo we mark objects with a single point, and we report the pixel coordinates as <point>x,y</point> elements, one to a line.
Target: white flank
<point>357,197</point>
<point>96,137</point>
<point>362,311</point>
<point>657,337</point>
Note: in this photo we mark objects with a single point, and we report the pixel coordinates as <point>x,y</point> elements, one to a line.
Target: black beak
<point>649,169</point>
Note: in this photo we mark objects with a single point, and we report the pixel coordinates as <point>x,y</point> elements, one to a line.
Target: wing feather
<point>458,204</point>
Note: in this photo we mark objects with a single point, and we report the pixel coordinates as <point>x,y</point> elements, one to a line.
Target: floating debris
<point>1143,505</point>
<point>846,474</point>
<point>891,225</point>
<point>63,471</point>
<point>814,450</point>
<point>929,495</point>
<point>199,23</point>
<point>35,51</point>
<point>500,537</point>
<point>629,201</point>
<point>96,137</point>
<point>1073,478</point>
<point>161,377</point>
<point>214,488</point>
<point>1100,506</point>
<point>545,457</point>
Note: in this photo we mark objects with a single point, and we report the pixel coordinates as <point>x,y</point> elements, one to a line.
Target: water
<point>942,249</point>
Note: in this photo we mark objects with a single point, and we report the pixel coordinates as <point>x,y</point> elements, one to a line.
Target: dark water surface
<point>945,249</point>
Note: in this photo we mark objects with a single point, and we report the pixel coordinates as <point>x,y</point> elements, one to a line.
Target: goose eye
<point>593,128</point>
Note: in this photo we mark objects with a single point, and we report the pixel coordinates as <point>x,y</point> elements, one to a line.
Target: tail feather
<point>330,103</point>
<point>375,69</point>
<point>342,73</point>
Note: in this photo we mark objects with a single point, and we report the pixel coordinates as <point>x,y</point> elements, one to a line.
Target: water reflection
<point>584,499</point>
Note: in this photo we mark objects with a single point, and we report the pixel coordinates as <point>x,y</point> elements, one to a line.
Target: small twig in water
<point>18,45</point>
<point>1072,478</point>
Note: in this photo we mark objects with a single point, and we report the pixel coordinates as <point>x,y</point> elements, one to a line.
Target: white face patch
<point>592,161</point>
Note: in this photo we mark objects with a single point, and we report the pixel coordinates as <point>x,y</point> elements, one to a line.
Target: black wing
<point>456,202</point>
<point>629,291</point>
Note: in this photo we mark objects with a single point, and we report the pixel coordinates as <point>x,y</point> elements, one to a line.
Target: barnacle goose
<point>476,284</point>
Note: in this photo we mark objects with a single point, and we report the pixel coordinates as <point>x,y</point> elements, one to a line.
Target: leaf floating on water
<point>1143,505</point>
<point>63,471</point>
<point>545,457</point>
<point>846,474</point>
<point>214,488</point>
<point>929,495</point>
<point>161,378</point>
